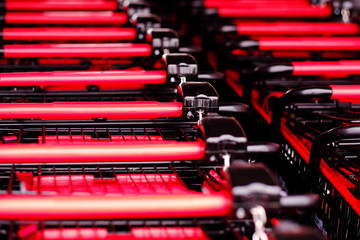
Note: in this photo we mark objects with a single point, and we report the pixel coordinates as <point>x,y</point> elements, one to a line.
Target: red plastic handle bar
<point>86,18</point>
<point>311,43</point>
<point>346,93</point>
<point>125,207</point>
<point>275,11</point>
<point>335,68</point>
<point>98,233</point>
<point>69,34</point>
<point>61,5</point>
<point>296,28</point>
<point>253,4</point>
<point>90,110</point>
<point>64,78</point>
<point>78,50</point>
<point>220,3</point>
<point>111,152</point>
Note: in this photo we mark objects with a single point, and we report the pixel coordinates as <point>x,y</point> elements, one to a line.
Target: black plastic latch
<point>163,40</point>
<point>2,8</point>
<point>2,52</point>
<point>180,67</point>
<point>254,184</point>
<point>132,7</point>
<point>120,4</point>
<point>143,22</point>
<point>225,139</point>
<point>199,98</point>
<point>2,21</point>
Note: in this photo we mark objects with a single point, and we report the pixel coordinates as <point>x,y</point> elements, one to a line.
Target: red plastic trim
<point>57,17</point>
<point>78,50</point>
<point>346,92</point>
<point>311,43</point>
<point>68,78</point>
<point>100,152</point>
<point>58,5</point>
<point>125,207</point>
<point>296,28</point>
<point>277,12</point>
<point>69,34</point>
<point>335,68</point>
<point>90,110</point>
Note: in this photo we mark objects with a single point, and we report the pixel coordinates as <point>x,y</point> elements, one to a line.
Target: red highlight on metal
<point>124,207</point>
<point>100,50</point>
<point>88,184</point>
<point>69,34</point>
<point>58,17</point>
<point>31,232</point>
<point>90,110</point>
<point>346,93</point>
<point>327,68</point>
<point>99,152</point>
<point>179,233</point>
<point>68,78</point>
<point>58,5</point>
<point>73,139</point>
<point>276,11</point>
<point>296,28</point>
<point>310,43</point>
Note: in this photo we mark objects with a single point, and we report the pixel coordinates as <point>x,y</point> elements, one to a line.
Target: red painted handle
<point>52,5</point>
<point>69,34</point>
<point>335,68</point>
<point>68,78</point>
<point>99,50</point>
<point>99,152</point>
<point>296,28</point>
<point>90,110</point>
<point>346,93</point>
<point>86,18</point>
<point>253,4</point>
<point>311,43</point>
<point>277,12</point>
<point>125,207</point>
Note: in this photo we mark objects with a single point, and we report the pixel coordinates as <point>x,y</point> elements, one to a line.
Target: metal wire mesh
<point>210,228</point>
<point>118,133</point>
